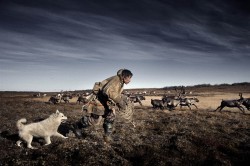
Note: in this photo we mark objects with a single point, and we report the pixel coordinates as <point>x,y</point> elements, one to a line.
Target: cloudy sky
<point>58,45</point>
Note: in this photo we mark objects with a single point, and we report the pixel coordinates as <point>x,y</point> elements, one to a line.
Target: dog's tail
<point>20,122</point>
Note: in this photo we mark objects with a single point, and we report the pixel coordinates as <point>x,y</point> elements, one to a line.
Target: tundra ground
<point>160,137</point>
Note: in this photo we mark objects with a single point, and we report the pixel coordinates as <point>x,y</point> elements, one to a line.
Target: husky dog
<point>45,129</point>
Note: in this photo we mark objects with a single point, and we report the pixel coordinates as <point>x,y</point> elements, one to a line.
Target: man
<point>105,100</point>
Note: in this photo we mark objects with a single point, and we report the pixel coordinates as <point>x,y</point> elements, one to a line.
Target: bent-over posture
<point>107,99</point>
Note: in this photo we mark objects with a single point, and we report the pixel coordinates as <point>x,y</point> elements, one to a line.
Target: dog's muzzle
<point>63,120</point>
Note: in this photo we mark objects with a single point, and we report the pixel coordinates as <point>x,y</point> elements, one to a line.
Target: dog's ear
<point>57,112</point>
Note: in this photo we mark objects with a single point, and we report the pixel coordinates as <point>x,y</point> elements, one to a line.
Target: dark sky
<point>57,45</point>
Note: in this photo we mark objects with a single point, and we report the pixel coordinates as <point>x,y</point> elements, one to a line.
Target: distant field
<point>207,100</point>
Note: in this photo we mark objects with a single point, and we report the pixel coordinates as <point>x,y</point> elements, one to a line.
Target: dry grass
<point>179,137</point>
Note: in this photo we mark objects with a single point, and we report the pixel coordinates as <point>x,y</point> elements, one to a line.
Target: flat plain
<point>159,137</point>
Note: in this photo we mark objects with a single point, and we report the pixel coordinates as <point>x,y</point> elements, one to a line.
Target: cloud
<point>151,36</point>
<point>88,36</point>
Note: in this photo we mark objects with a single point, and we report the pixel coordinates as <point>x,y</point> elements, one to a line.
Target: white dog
<point>46,128</point>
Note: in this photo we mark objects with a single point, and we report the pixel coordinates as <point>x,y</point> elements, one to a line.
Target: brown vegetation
<point>179,137</point>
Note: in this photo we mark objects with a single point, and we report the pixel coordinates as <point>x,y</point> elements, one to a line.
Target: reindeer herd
<point>83,98</point>
<point>171,102</point>
<point>166,102</point>
<point>58,98</point>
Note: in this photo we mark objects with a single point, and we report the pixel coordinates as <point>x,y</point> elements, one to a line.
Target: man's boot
<point>107,139</point>
<point>108,128</point>
<point>78,126</point>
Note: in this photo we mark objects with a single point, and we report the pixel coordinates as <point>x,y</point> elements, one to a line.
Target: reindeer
<point>37,95</point>
<point>157,103</point>
<point>172,104</point>
<point>137,98</point>
<point>82,99</point>
<point>231,104</point>
<point>59,96</point>
<point>66,98</point>
<point>246,101</point>
<point>178,95</point>
<point>174,101</point>
<point>53,99</point>
<point>189,102</point>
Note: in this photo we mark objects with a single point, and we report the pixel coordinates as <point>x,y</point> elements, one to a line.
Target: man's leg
<point>84,122</point>
<point>77,127</point>
<point>108,126</point>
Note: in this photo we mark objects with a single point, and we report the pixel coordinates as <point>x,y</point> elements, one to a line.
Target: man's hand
<point>121,102</point>
<point>122,105</point>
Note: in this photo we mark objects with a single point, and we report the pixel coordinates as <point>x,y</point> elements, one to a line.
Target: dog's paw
<point>47,144</point>
<point>18,143</point>
<point>31,147</point>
